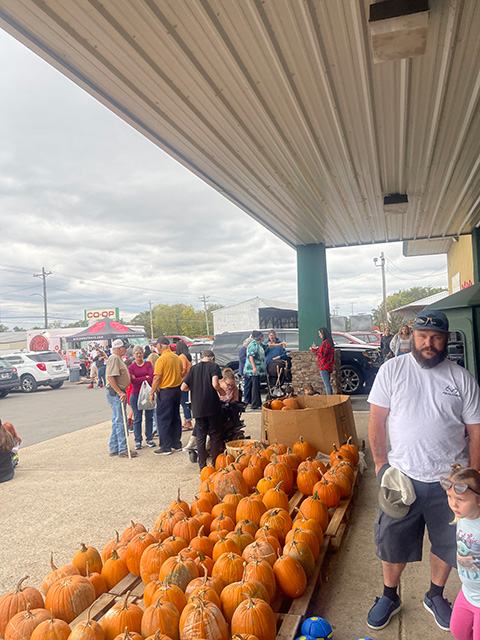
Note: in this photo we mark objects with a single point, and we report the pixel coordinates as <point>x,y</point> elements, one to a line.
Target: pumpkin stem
<point>51,616</point>
<point>83,547</point>
<point>115,555</point>
<point>178,496</point>
<point>54,568</point>
<point>87,570</point>
<point>89,612</point>
<point>125,601</point>
<point>118,537</point>
<point>18,588</point>
<point>157,634</point>
<point>244,572</point>
<point>200,532</point>
<point>277,488</point>
<point>126,635</point>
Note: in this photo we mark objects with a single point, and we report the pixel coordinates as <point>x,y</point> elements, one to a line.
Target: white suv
<point>38,368</point>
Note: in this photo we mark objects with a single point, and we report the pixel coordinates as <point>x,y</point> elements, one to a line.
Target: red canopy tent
<point>107,330</point>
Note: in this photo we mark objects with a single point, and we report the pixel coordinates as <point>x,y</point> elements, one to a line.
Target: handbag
<point>143,403</point>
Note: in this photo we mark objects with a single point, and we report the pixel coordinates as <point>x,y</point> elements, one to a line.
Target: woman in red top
<point>140,370</point>
<point>326,357</point>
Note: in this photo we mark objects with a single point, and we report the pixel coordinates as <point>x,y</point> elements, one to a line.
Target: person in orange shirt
<point>166,381</point>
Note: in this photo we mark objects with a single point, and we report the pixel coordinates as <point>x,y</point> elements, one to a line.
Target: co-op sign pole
<point>94,315</point>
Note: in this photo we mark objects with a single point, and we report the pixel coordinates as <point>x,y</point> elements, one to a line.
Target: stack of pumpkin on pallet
<point>211,569</point>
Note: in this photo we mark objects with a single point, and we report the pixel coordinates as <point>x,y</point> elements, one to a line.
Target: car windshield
<point>45,356</point>
<point>4,364</point>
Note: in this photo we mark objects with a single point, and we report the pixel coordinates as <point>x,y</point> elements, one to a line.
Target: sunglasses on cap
<point>423,321</point>
<point>458,487</point>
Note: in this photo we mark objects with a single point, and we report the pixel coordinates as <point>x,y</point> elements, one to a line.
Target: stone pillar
<point>305,371</point>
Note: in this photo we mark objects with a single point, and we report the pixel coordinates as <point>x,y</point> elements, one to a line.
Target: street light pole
<point>381,264</point>
<point>44,275</point>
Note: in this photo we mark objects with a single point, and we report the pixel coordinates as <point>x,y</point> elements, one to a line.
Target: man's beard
<point>429,363</point>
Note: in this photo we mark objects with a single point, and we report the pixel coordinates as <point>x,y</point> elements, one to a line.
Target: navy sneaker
<point>151,443</point>
<point>441,610</point>
<point>138,446</point>
<point>382,611</point>
<point>163,452</point>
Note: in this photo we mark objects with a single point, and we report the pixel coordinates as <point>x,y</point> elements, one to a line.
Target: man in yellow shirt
<point>166,383</point>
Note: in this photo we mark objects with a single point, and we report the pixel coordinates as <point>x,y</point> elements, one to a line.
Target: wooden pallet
<point>289,613</point>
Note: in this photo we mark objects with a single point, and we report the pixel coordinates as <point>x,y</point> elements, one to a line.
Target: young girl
<point>229,385</point>
<point>463,491</point>
<point>6,455</point>
<point>325,356</point>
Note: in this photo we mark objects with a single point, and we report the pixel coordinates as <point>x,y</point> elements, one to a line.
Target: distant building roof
<point>418,305</point>
<point>260,303</point>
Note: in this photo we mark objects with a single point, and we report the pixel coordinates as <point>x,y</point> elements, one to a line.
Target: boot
<point>191,444</point>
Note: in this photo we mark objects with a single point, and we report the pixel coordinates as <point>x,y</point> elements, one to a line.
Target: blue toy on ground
<point>318,628</point>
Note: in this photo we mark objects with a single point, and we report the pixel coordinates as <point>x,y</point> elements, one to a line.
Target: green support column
<point>476,255</point>
<point>313,303</point>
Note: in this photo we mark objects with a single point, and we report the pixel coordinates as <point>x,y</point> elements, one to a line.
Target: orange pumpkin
<point>276,405</point>
<point>280,472</point>
<point>279,520</point>
<point>314,507</point>
<point>88,630</point>
<point>110,546</point>
<point>180,504</point>
<point>114,570</point>
<point>254,616</point>
<point>224,545</point>
<point>162,616</point>
<point>187,528</point>
<point>130,532</point>
<point>341,480</point>
<point>228,567</point>
<point>179,572</point>
<point>152,559</point>
<point>276,498</point>
<point>17,600</point>
<point>250,508</point>
<point>202,619</point>
<point>97,581</point>
<point>68,597</point>
<point>307,536</point>
<point>22,625</point>
<point>215,583</point>
<point>262,571</point>
<point>252,474</point>
<point>291,403</point>
<point>122,615</point>
<point>223,460</point>
<point>170,593</point>
<point>87,555</point>
<point>236,592</point>
<point>207,594</point>
<point>240,538</point>
<point>53,629</point>
<point>304,449</point>
<point>136,547</point>
<point>247,526</point>
<point>307,478</point>
<point>226,479</point>
<point>129,635</point>
<point>206,472</point>
<point>300,550</point>
<point>260,550</point>
<point>328,492</point>
<point>56,573</point>
<point>290,576</point>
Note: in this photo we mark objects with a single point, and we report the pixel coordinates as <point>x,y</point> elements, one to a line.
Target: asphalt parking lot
<point>48,413</point>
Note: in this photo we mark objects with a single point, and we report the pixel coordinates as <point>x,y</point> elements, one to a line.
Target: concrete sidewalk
<point>68,490</point>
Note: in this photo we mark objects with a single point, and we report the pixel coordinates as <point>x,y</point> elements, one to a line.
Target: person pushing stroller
<point>203,382</point>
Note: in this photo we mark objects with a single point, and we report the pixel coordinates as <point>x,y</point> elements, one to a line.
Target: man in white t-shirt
<point>433,411</point>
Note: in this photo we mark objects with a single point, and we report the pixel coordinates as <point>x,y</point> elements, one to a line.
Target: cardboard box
<point>322,420</point>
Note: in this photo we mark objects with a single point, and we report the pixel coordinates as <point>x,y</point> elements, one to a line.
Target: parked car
<point>370,337</point>
<point>8,377</point>
<point>174,339</point>
<point>38,368</point>
<point>344,337</point>
<point>359,361</point>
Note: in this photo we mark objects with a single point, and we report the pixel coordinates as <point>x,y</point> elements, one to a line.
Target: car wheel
<point>4,392</point>
<point>352,379</point>
<point>28,383</point>
<point>56,385</point>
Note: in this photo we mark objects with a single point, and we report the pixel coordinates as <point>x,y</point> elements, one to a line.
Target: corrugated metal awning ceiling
<point>278,105</point>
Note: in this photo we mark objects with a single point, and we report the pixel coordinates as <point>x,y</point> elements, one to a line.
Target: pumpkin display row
<point>211,568</point>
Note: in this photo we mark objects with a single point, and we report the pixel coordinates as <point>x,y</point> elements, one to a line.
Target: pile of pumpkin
<point>287,404</point>
<point>211,568</point>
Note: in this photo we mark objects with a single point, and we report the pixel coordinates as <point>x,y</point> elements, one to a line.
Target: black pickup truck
<point>359,363</point>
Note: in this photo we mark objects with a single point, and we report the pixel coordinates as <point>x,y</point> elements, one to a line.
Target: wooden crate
<point>289,613</point>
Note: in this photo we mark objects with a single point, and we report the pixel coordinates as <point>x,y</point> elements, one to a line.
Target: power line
<point>44,275</point>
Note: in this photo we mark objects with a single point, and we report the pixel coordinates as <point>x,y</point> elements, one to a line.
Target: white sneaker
<point>191,444</point>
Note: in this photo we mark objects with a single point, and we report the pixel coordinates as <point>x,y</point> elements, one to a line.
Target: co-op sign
<point>94,315</point>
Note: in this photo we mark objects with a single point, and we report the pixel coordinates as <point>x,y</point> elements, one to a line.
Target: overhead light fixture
<point>398,29</point>
<point>396,203</point>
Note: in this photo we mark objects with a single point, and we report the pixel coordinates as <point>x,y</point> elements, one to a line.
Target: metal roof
<point>278,105</point>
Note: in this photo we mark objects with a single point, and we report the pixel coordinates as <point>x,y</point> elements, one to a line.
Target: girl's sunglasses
<point>458,487</point>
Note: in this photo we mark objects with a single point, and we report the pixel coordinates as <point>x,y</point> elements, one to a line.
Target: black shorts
<point>400,541</point>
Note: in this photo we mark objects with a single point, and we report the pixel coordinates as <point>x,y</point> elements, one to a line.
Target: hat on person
<point>396,493</point>
<point>431,321</point>
<point>117,344</point>
<point>163,340</point>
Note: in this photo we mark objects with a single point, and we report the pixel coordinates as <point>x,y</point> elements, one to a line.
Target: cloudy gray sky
<point>75,181</point>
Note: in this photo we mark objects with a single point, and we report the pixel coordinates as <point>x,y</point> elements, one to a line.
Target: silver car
<point>38,368</point>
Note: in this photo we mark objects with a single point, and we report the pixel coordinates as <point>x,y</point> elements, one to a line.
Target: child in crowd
<point>229,385</point>
<point>17,441</point>
<point>463,492</point>
<point>7,444</point>
<point>310,391</point>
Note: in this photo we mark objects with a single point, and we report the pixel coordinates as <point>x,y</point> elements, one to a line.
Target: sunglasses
<point>458,487</point>
<point>423,321</point>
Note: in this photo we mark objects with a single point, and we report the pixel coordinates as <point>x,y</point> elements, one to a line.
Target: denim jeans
<point>118,441</point>
<point>137,420</point>
<point>326,381</point>
<point>101,375</point>
<point>168,418</point>
<point>187,414</point>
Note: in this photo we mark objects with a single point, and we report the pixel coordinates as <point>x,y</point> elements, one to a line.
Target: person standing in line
<point>433,411</point>
<point>247,382</point>
<point>101,364</point>
<point>152,358</point>
<point>183,353</point>
<point>140,370</point>
<point>402,342</point>
<point>385,341</point>
<point>118,379</point>
<point>202,381</point>
<point>93,367</point>
<point>325,357</point>
<point>167,380</point>
<point>463,493</point>
<point>255,367</point>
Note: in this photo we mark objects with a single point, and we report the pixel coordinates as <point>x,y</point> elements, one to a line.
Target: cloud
<point>120,223</point>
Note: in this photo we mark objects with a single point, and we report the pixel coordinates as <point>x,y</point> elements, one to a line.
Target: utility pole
<point>151,320</point>
<point>44,275</point>
<point>204,299</point>
<point>381,264</point>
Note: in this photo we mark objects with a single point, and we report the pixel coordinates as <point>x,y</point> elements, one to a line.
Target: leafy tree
<point>15,328</point>
<point>400,299</point>
<point>3,327</point>
<point>176,319</point>
<point>74,325</point>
